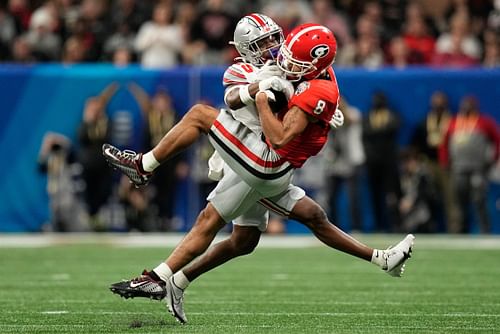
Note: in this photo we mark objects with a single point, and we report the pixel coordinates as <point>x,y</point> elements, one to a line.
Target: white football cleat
<point>175,301</point>
<point>395,257</point>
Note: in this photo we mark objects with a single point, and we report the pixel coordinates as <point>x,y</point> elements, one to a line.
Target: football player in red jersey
<point>260,170</point>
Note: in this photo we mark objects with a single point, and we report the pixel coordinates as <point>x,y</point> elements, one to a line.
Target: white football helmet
<point>257,39</point>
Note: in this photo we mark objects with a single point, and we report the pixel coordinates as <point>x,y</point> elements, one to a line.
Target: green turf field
<point>446,289</point>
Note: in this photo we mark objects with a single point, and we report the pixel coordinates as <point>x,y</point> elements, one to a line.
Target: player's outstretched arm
<point>277,132</point>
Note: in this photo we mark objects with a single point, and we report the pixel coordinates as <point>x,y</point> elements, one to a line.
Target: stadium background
<point>43,98</point>
<point>58,282</point>
<point>57,54</point>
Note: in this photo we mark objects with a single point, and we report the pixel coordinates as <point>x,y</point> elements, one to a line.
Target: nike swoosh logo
<point>109,154</point>
<point>135,285</point>
<point>176,300</point>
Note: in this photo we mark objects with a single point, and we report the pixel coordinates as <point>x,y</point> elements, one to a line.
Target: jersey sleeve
<point>318,98</point>
<point>238,74</point>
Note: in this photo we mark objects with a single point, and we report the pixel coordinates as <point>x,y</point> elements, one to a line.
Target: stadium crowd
<point>421,188</point>
<point>167,33</point>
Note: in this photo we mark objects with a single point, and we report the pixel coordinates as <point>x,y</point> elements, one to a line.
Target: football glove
<point>269,69</point>
<point>277,84</point>
<point>337,119</point>
<point>270,95</point>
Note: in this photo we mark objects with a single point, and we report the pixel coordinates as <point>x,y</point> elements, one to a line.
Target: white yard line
<point>267,241</point>
<point>273,314</point>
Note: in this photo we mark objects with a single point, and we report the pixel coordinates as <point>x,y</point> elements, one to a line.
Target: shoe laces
<point>128,154</point>
<point>143,277</point>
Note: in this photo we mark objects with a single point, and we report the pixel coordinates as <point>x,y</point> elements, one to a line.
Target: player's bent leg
<point>234,200</point>
<point>309,213</point>
<point>242,241</point>
<point>195,243</point>
<point>208,223</point>
<point>196,121</point>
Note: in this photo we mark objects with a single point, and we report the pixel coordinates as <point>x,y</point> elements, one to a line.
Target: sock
<point>149,162</point>
<point>163,271</point>
<point>378,257</point>
<point>180,280</point>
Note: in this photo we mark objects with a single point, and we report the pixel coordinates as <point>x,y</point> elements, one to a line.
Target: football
<point>281,102</point>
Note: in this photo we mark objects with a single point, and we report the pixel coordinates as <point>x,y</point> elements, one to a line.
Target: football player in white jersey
<point>251,218</point>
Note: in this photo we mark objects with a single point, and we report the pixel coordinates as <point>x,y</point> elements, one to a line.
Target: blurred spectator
<point>136,205</point>
<point>380,131</point>
<point>93,132</point>
<point>491,57</point>
<point>186,14</point>
<point>21,12</point>
<point>393,15</point>
<point>458,47</point>
<point>122,57</point>
<point>122,38</point>
<point>7,32</point>
<point>427,139</point>
<point>74,51</point>
<point>131,12</point>
<point>419,40</point>
<point>373,11</point>
<point>64,186</point>
<point>470,148</point>
<point>366,51</point>
<point>21,51</point>
<point>454,57</point>
<point>325,14</point>
<point>398,53</point>
<point>287,13</point>
<point>211,32</point>
<point>96,26</point>
<point>276,224</point>
<point>159,41</point>
<point>494,17</point>
<point>68,12</point>
<point>476,10</point>
<point>418,194</point>
<point>345,158</point>
<point>205,27</point>
<point>160,116</point>
<point>44,42</point>
<point>79,30</point>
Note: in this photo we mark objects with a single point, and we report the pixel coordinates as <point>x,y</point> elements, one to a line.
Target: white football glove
<point>337,119</point>
<point>270,95</point>
<point>277,84</point>
<point>269,69</point>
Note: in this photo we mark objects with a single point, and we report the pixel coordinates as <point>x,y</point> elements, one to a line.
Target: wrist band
<point>245,95</point>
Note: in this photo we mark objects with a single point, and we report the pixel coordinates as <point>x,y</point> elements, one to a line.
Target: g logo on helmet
<point>319,51</point>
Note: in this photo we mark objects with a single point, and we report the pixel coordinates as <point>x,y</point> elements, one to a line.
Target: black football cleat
<point>143,286</point>
<point>128,162</point>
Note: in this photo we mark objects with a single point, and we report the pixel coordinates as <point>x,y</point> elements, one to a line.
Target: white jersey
<point>243,74</point>
<point>252,178</point>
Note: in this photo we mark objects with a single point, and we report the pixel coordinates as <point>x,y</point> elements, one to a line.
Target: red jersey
<point>319,99</point>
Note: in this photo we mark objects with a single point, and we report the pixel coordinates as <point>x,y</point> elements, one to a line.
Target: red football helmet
<point>307,51</point>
